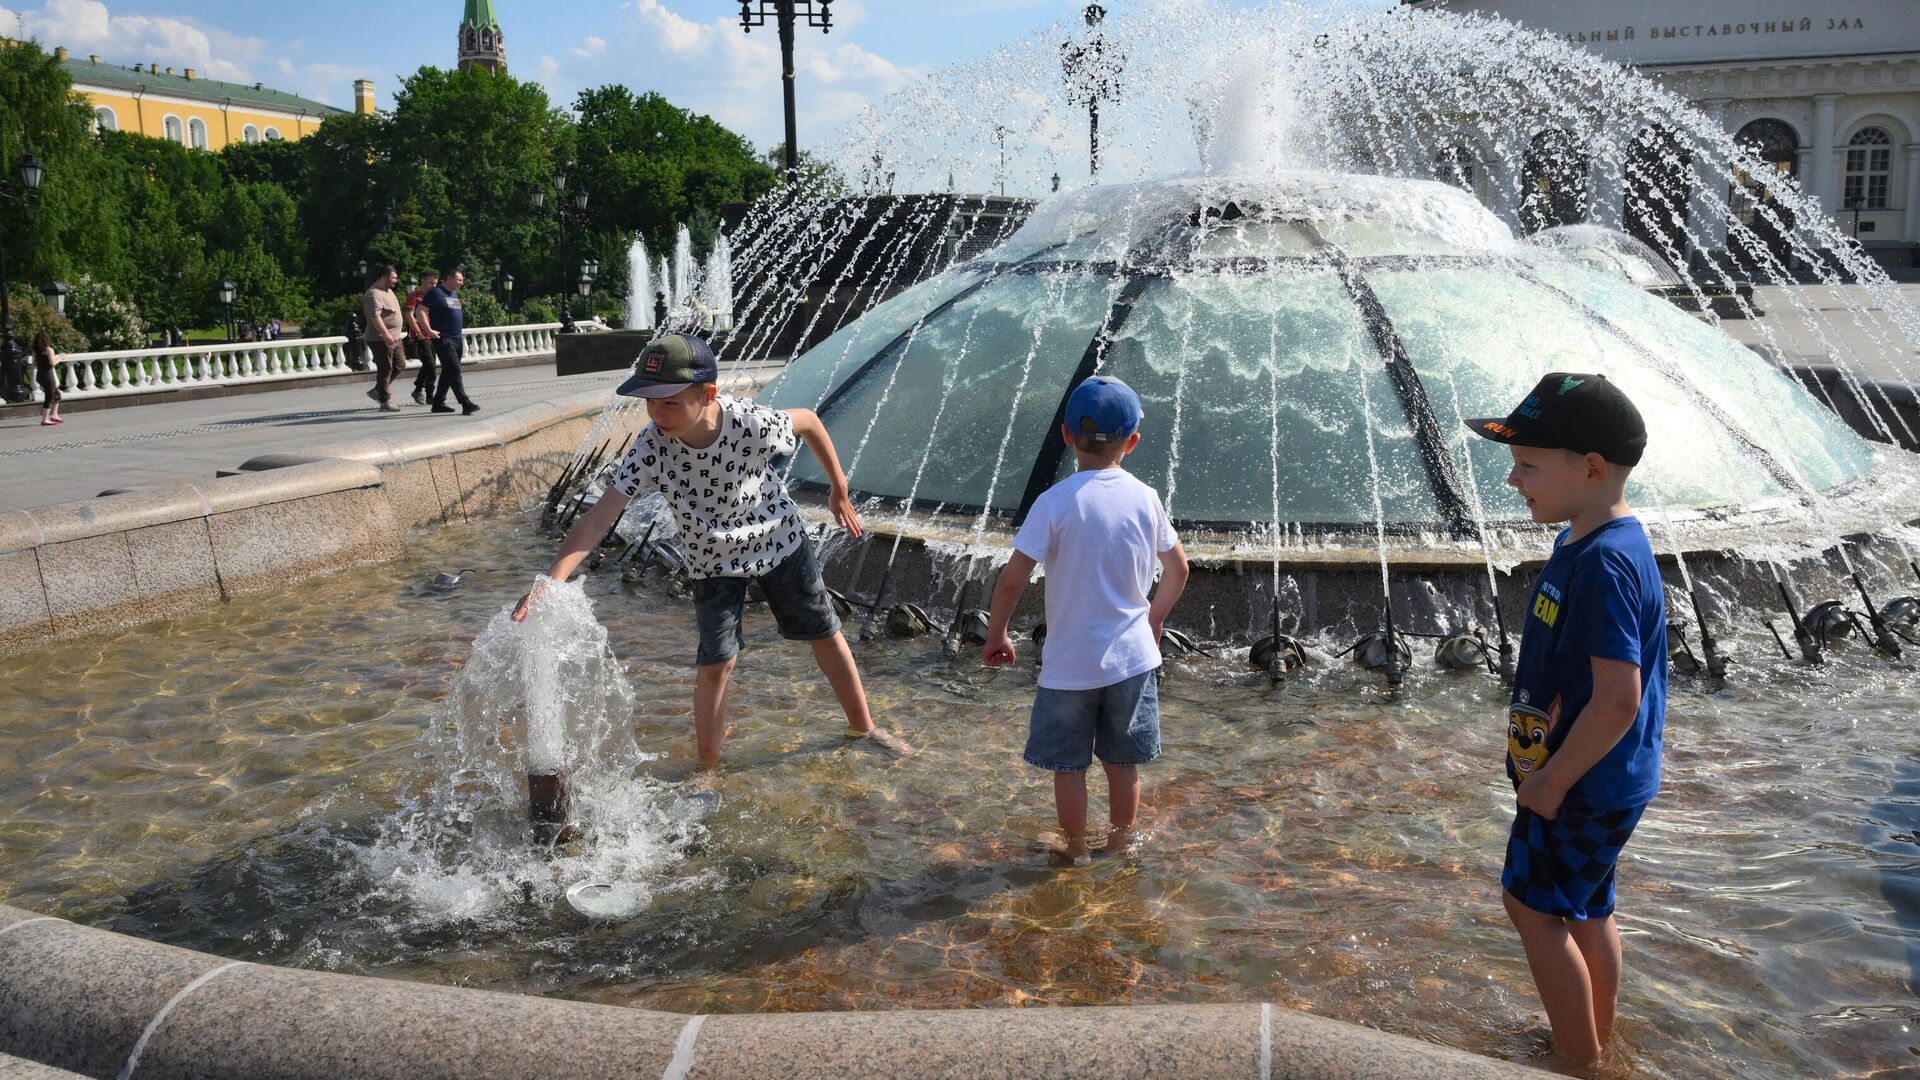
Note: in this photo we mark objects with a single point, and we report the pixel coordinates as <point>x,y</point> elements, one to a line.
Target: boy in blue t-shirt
<point>1589,696</point>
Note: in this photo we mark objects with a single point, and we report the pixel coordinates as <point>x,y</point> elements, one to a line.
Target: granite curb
<point>116,560</point>
<point>105,1005</point>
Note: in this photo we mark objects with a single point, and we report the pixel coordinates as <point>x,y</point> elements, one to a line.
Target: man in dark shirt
<point>446,319</point>
<point>420,338</point>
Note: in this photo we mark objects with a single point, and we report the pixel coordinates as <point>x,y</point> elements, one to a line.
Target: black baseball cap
<point>1580,412</point>
<point>669,364</point>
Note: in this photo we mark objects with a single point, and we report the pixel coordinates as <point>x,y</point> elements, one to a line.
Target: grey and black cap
<point>669,364</point>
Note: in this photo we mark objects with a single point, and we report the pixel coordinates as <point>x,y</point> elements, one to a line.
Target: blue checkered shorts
<point>1564,867</point>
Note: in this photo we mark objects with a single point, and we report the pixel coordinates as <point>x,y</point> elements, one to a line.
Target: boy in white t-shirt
<point>1098,533</point>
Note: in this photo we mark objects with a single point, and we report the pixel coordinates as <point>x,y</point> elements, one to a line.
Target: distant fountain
<point>639,303</point>
<point>685,287</point>
<point>716,284</point>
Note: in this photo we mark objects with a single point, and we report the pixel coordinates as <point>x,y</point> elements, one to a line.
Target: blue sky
<point>690,50</point>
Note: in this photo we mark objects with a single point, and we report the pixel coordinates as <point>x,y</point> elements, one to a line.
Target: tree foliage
<point>445,179</point>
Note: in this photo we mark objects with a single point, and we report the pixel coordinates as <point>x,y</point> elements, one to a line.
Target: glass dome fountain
<point>1305,345</point>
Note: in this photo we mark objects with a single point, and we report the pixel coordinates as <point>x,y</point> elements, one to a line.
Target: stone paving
<point>1833,321</point>
<point>141,445</point>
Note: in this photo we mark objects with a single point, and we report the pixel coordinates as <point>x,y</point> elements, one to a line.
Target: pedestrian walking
<point>43,360</point>
<point>420,338</point>
<point>445,321</point>
<point>382,316</point>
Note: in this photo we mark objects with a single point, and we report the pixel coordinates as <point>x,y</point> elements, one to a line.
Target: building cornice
<point>216,103</point>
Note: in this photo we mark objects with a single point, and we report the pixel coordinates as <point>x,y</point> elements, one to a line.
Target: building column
<point>1707,222</point>
<point>1913,193</point>
<point>1826,187</point>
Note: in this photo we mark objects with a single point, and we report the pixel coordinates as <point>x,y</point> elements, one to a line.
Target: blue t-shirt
<point>444,313</point>
<point>1598,596</point>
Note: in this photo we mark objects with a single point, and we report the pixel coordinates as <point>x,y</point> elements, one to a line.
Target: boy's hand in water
<point>526,602</point>
<point>998,651</point>
<point>841,505</point>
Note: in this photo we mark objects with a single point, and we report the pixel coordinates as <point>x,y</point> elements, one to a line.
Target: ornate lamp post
<point>13,381</point>
<point>785,13</point>
<point>565,217</point>
<point>227,291</point>
<point>1093,68</point>
<point>506,286</point>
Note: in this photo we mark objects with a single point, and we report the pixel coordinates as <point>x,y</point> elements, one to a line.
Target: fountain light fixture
<point>586,285</point>
<point>56,294</point>
<point>785,13</point>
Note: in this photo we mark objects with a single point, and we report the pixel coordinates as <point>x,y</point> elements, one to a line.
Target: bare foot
<point>1121,841</point>
<point>891,743</point>
<point>1069,852</point>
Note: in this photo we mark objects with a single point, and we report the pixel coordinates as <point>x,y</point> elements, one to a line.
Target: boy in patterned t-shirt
<point>711,456</point>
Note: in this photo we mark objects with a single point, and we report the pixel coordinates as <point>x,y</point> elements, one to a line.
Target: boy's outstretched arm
<point>574,547</point>
<point>1006,592</point>
<point>1608,716</point>
<point>808,428</point>
<point>1173,582</point>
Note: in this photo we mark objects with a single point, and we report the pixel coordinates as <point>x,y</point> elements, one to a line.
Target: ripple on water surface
<point>267,780</point>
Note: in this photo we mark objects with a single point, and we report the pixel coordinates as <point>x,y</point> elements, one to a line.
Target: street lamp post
<point>506,286</point>
<point>13,379</point>
<point>56,296</point>
<point>227,291</point>
<point>785,13</point>
<point>565,217</point>
<point>1093,68</point>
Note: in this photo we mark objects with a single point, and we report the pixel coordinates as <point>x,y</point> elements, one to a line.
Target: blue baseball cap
<point>670,364</point>
<point>1103,409</point>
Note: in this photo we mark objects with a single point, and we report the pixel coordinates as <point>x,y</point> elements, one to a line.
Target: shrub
<point>32,315</point>
<point>108,320</point>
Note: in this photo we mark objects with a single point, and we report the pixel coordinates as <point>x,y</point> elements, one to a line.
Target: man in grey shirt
<point>381,309</point>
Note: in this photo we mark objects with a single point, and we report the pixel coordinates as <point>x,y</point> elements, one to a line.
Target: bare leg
<point>710,710</point>
<point>1123,804</point>
<point>1070,802</point>
<point>1560,975</point>
<point>836,663</point>
<point>1599,943</point>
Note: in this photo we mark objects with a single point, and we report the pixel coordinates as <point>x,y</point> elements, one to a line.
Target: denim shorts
<point>1120,723</point>
<point>794,592</point>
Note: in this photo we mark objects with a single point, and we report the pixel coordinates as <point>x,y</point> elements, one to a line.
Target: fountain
<point>639,305</point>
<point>1306,252</point>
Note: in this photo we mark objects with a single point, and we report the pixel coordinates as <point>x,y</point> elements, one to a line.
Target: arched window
<point>273,134</point>
<point>105,120</point>
<point>1761,244</point>
<point>1553,185</point>
<point>1458,165</point>
<point>172,129</point>
<point>1659,172</point>
<point>1869,170</point>
<point>249,134</point>
<point>197,133</point>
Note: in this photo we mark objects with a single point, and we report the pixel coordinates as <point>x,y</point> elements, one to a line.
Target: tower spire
<point>482,44</point>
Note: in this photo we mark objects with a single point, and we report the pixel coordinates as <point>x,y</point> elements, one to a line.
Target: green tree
<point>74,225</point>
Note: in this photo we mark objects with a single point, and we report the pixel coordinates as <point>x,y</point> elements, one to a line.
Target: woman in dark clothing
<point>43,360</point>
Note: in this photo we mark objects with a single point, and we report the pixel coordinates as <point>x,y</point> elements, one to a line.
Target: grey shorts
<point>794,592</point>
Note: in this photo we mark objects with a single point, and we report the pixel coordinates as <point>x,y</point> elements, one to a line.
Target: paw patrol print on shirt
<point>734,513</point>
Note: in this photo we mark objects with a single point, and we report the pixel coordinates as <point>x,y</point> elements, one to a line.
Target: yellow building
<point>205,114</point>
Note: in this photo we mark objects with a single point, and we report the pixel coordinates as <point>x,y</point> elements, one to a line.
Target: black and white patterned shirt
<point>733,511</point>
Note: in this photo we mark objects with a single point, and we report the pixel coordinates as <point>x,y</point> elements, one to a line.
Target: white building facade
<point>1828,92</point>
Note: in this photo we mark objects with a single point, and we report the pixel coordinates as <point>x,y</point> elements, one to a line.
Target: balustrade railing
<point>148,371</point>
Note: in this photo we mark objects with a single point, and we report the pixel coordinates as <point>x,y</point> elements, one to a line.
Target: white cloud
<point>88,26</point>
<point>714,68</point>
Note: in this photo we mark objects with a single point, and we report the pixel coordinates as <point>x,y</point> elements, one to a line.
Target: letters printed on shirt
<point>1546,604</point>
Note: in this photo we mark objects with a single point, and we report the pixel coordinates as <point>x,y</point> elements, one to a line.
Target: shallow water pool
<point>250,781</point>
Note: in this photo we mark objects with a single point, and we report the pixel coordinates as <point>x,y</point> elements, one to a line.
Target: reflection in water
<point>268,780</point>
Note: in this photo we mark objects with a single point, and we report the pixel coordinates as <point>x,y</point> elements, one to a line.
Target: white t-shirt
<point>1098,533</point>
<point>734,513</point>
